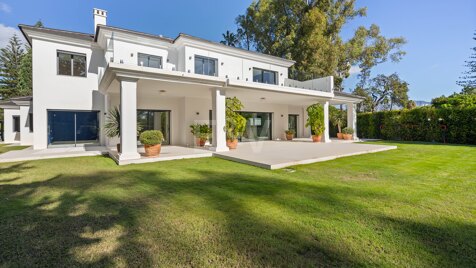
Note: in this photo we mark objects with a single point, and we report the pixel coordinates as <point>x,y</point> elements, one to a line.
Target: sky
<point>438,32</point>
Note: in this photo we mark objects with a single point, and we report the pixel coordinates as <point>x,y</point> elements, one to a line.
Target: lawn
<point>6,147</point>
<point>414,207</point>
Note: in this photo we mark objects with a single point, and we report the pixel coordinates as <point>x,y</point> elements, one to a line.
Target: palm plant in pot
<point>315,120</point>
<point>337,118</point>
<point>235,122</point>
<point>152,141</point>
<point>289,134</point>
<point>348,133</point>
<point>201,132</point>
<point>112,127</point>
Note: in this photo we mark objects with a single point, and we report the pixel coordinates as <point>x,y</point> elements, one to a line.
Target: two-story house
<point>167,84</point>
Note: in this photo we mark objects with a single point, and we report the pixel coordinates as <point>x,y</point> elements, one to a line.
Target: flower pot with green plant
<point>235,122</point>
<point>315,120</point>
<point>337,118</point>
<point>289,134</point>
<point>112,127</point>
<point>152,141</point>
<point>201,132</point>
<point>348,133</point>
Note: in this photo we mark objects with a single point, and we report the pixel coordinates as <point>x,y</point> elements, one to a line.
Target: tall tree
<point>229,39</point>
<point>25,86</point>
<point>10,62</point>
<point>468,79</point>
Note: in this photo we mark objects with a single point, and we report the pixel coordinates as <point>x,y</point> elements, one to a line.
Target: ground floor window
<point>73,127</point>
<point>155,120</point>
<point>258,126</point>
<point>16,123</point>
<point>30,121</point>
<point>293,123</point>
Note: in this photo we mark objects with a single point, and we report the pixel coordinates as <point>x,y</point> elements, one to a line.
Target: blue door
<point>73,127</point>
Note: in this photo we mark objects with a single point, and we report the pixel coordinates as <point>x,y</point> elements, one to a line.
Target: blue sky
<point>439,33</point>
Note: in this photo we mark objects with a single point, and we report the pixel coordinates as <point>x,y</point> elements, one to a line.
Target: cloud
<point>7,32</point>
<point>5,8</point>
<point>354,70</point>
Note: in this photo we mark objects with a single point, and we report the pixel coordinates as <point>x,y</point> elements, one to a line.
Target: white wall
<point>58,92</point>
<point>9,135</point>
<point>26,137</point>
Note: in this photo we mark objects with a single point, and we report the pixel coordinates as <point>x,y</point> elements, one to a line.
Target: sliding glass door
<point>73,127</point>
<point>155,120</point>
<point>258,126</point>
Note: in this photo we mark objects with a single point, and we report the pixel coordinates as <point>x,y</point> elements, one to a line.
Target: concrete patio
<point>167,153</point>
<point>281,154</point>
<point>63,152</point>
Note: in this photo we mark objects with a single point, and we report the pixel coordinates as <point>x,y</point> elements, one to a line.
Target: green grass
<point>5,148</point>
<point>414,207</point>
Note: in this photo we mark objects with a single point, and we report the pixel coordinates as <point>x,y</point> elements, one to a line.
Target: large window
<point>149,61</point>
<point>206,66</point>
<point>16,123</point>
<point>258,126</point>
<point>71,64</point>
<point>73,127</point>
<point>155,120</point>
<point>264,76</point>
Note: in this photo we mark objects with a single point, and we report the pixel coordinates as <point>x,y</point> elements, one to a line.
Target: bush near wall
<point>450,125</point>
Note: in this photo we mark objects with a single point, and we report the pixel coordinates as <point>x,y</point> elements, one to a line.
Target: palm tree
<point>229,39</point>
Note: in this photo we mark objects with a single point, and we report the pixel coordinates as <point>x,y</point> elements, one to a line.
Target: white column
<point>325,136</point>
<point>128,120</point>
<point>352,118</point>
<point>218,120</point>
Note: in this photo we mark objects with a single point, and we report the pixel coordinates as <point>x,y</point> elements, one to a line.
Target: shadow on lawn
<point>77,228</point>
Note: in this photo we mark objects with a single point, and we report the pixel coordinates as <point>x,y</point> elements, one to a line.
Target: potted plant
<point>337,118</point>
<point>289,134</point>
<point>201,132</point>
<point>315,120</point>
<point>348,132</point>
<point>152,141</point>
<point>235,122</point>
<point>112,127</point>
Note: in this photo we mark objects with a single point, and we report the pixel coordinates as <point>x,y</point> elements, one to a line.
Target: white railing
<point>325,84</point>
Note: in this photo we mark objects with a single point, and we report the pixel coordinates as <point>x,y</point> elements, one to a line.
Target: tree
<point>10,62</point>
<point>468,80</point>
<point>384,92</point>
<point>229,39</point>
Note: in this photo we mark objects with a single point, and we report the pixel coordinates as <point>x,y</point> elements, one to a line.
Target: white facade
<point>116,77</point>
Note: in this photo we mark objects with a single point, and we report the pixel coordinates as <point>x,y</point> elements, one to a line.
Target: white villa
<point>167,83</point>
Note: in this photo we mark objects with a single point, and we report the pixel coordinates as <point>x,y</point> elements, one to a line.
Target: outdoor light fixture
<point>262,98</point>
<point>190,57</point>
<point>132,54</point>
<point>162,92</point>
<point>222,64</point>
<point>197,113</point>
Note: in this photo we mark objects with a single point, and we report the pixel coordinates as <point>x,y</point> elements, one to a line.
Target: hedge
<point>448,125</point>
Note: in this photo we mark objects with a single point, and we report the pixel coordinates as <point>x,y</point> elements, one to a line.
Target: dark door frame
<point>169,123</point>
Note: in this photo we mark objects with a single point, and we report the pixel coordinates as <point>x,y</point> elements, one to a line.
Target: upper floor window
<point>149,61</point>
<point>72,64</point>
<point>16,123</point>
<point>264,76</point>
<point>206,66</point>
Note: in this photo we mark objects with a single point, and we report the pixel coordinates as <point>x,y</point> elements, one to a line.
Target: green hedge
<point>450,125</point>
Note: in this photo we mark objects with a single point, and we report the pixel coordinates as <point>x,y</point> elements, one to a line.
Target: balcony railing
<point>325,84</point>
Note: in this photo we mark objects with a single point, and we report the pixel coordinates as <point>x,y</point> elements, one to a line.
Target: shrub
<point>348,130</point>
<point>450,125</point>
<point>289,132</point>
<point>315,119</point>
<point>235,122</point>
<point>151,137</point>
<point>201,131</point>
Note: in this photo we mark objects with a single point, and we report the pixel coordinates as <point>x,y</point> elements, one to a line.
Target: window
<point>16,123</point>
<point>71,64</point>
<point>30,121</point>
<point>206,66</point>
<point>149,61</point>
<point>264,76</point>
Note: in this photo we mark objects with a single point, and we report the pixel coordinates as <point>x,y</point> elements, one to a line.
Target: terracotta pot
<point>289,137</point>
<point>340,136</point>
<point>316,138</point>
<point>152,150</point>
<point>200,142</point>
<point>118,147</point>
<point>347,136</point>
<point>232,144</point>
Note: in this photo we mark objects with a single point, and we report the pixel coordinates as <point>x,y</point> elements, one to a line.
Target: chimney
<point>100,16</point>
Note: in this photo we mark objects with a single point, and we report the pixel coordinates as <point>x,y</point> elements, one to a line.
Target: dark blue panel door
<point>70,127</point>
<point>86,126</point>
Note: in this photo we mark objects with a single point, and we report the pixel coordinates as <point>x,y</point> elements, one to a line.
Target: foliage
<point>112,127</point>
<point>465,99</point>
<point>10,62</point>
<point>230,39</point>
<point>289,132</point>
<point>315,119</point>
<point>201,131</point>
<point>451,125</point>
<point>235,122</point>
<point>348,130</point>
<point>25,83</point>
<point>384,93</point>
<point>468,79</point>
<point>151,137</point>
<point>310,33</point>
<point>337,117</point>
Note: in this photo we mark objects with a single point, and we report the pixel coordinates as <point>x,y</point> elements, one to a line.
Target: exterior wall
<point>26,137</point>
<point>57,92</point>
<point>9,135</point>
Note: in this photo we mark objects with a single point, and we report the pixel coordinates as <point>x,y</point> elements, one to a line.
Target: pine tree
<point>468,80</point>
<point>10,61</point>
